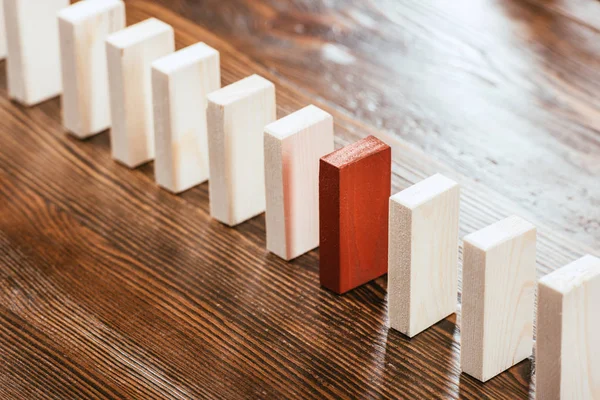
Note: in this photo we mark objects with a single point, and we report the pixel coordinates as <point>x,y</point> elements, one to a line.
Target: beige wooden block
<point>498,297</point>
<point>33,69</point>
<point>130,53</point>
<point>2,32</point>
<point>180,83</point>
<point>567,360</point>
<point>293,147</point>
<point>237,117</point>
<point>83,29</point>
<point>423,254</point>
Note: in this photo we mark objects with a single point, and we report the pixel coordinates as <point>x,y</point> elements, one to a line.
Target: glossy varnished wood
<point>477,84</point>
<point>111,287</point>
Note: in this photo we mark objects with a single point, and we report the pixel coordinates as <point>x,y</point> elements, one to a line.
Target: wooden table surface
<point>113,288</point>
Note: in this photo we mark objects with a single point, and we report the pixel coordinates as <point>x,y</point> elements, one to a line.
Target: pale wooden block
<point>293,147</point>
<point>83,29</point>
<point>237,116</point>
<point>423,254</point>
<point>568,332</point>
<point>2,32</point>
<point>33,69</point>
<point>180,83</point>
<point>498,297</point>
<point>130,54</point>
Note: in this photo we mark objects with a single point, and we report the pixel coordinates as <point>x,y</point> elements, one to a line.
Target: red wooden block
<point>354,193</point>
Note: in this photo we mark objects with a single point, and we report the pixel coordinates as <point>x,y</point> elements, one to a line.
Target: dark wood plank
<point>112,288</point>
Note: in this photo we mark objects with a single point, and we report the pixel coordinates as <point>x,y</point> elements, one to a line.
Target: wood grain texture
<point>498,297</point>
<point>294,145</point>
<point>423,254</point>
<point>83,28</point>
<point>112,288</point>
<point>180,83</point>
<point>129,54</point>
<point>568,317</point>
<point>237,115</point>
<point>33,49</point>
<point>354,190</point>
<point>437,74</point>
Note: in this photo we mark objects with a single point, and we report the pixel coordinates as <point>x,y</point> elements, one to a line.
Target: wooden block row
<point>499,268</point>
<point>33,67</point>
<point>498,293</point>
<point>169,104</point>
<point>498,276</point>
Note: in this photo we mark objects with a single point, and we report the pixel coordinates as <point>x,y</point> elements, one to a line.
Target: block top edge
<point>185,57</point>
<point>499,232</point>
<point>297,122</point>
<point>424,191</point>
<point>240,90</point>
<point>138,33</point>
<point>356,151</point>
<point>573,275</point>
<point>80,11</point>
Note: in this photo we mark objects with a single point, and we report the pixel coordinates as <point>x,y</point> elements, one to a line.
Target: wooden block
<point>498,297</point>
<point>568,325</point>
<point>33,69</point>
<point>130,53</point>
<point>237,116</point>
<point>83,29</point>
<point>293,147</point>
<point>423,254</point>
<point>2,32</point>
<point>354,192</point>
<point>180,83</point>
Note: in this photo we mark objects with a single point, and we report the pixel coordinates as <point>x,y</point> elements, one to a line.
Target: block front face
<point>237,116</point>
<point>568,352</point>
<point>181,82</point>
<point>581,346</point>
<point>362,205</point>
<point>293,147</point>
<point>365,187</point>
<point>189,143</point>
<point>301,185</point>
<point>33,47</point>
<point>423,255</point>
<point>2,32</point>
<point>434,263</point>
<point>510,301</point>
<point>246,155</point>
<point>498,291</point>
<point>130,55</point>
<point>83,28</point>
